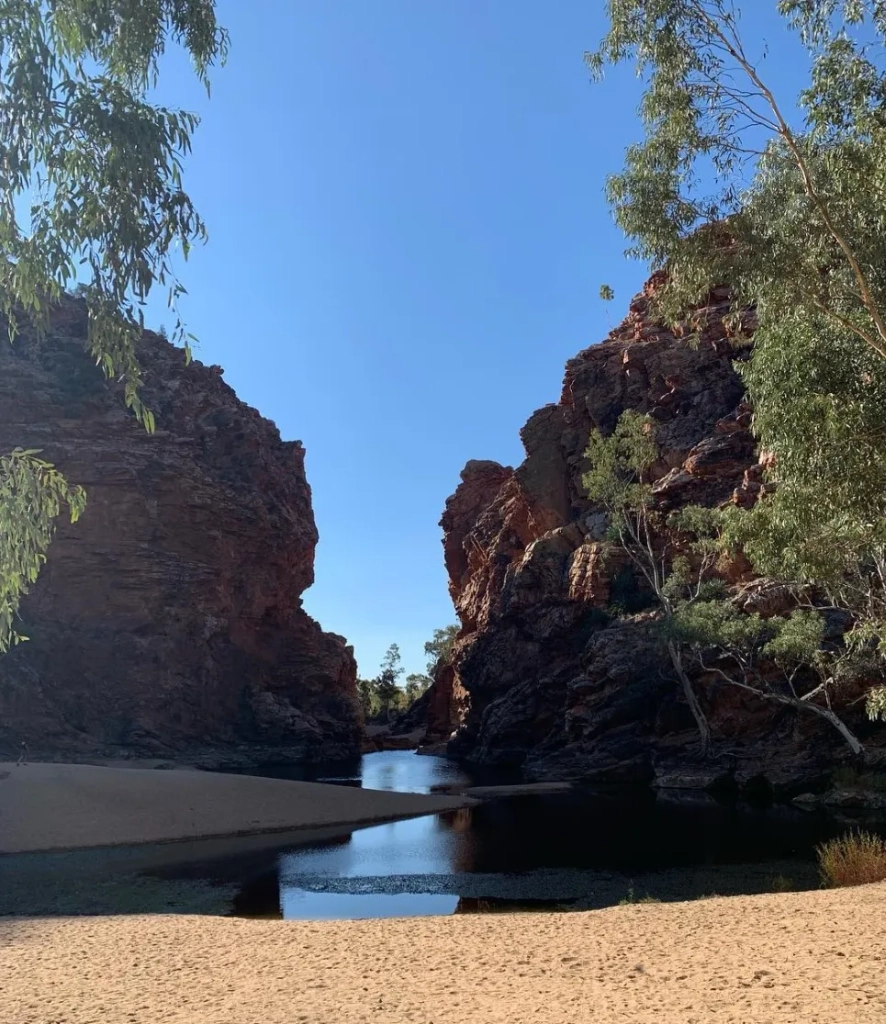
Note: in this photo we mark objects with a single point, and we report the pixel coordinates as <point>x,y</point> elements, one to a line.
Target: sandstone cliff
<point>557,669</point>
<point>169,619</point>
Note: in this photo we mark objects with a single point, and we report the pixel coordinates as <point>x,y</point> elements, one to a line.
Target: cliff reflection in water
<point>557,850</point>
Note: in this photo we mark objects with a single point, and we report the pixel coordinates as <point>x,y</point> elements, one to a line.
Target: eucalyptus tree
<point>716,134</point>
<point>439,648</point>
<point>387,687</point>
<point>782,197</point>
<point>91,195</point>
<point>783,660</point>
<point>617,481</point>
<point>786,660</point>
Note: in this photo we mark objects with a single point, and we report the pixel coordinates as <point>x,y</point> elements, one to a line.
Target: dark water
<point>577,849</point>
<point>574,850</point>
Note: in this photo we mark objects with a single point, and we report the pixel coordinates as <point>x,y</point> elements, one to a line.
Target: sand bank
<point>797,958</point>
<point>66,806</point>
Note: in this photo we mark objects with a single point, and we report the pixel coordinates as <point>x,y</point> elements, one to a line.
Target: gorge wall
<point>557,670</point>
<point>169,619</point>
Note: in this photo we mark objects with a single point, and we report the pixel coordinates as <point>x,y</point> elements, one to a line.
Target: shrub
<point>632,898</point>
<point>627,596</point>
<point>781,883</point>
<point>851,778</point>
<point>853,859</point>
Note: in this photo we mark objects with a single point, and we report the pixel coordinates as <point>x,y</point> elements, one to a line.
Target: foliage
<point>773,658</point>
<point>387,689</point>
<point>782,883</point>
<point>789,641</point>
<point>782,659</point>
<point>822,417</point>
<point>382,696</point>
<point>632,898</point>
<point>366,695</point>
<point>720,148</point>
<point>617,479</point>
<point>417,683</point>
<point>853,859</point>
<point>439,648</point>
<point>619,464</point>
<point>99,164</point>
<point>98,169</point>
<point>728,185</point>
<point>32,496</point>
<point>825,524</point>
<point>626,595</point>
<point>876,703</point>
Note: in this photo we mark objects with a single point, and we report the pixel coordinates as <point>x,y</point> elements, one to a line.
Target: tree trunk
<point>704,730</point>
<point>842,728</point>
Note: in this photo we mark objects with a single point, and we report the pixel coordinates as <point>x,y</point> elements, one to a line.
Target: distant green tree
<point>439,648</point>
<point>391,663</point>
<point>417,684</point>
<point>97,167</point>
<point>368,698</point>
<point>387,688</point>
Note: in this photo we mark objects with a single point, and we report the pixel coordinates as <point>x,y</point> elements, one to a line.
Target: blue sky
<point>407,238</point>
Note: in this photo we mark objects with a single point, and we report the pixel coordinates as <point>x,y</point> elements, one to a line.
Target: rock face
<point>545,676</point>
<point>169,619</point>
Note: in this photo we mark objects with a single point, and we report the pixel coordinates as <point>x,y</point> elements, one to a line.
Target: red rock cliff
<point>545,676</point>
<point>169,619</point>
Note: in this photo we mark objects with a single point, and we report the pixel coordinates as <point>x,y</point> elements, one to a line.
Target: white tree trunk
<point>842,728</point>
<point>704,730</point>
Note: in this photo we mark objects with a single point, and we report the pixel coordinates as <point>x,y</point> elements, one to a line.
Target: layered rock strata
<point>169,619</point>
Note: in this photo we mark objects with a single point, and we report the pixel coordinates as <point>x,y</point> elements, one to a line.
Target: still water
<point>577,849</point>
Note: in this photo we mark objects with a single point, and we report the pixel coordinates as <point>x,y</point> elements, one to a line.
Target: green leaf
<point>99,166</point>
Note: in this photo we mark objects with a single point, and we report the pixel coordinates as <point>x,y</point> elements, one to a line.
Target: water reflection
<point>404,771</point>
<point>400,771</point>
<point>324,906</point>
<point>418,846</point>
<point>578,848</point>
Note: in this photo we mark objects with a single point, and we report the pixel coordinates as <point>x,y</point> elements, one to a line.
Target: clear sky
<point>407,238</point>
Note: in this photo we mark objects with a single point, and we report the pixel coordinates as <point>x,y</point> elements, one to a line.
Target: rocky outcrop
<point>168,620</point>
<point>556,668</point>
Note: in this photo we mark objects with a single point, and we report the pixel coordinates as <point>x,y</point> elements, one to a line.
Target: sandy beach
<point>795,958</point>
<point>799,958</point>
<point>66,806</point>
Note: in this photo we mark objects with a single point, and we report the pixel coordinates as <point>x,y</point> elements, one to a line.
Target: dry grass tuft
<point>781,883</point>
<point>632,898</point>
<point>853,859</point>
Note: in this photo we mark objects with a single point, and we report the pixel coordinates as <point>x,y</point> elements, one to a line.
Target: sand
<point>794,958</point>
<point>798,958</point>
<point>65,806</point>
